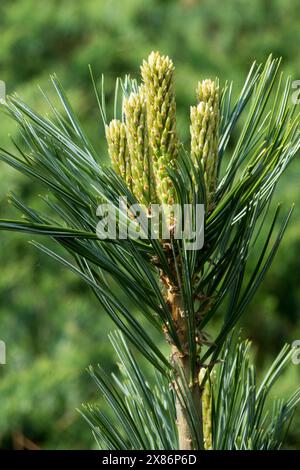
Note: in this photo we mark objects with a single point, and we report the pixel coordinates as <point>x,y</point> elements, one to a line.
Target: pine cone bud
<point>157,74</point>
<point>206,409</point>
<point>205,133</point>
<point>118,149</point>
<point>137,138</point>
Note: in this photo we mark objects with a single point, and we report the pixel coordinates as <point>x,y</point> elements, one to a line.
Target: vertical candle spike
<point>137,138</point>
<point>157,73</point>
<point>206,409</point>
<point>118,149</point>
<point>205,134</point>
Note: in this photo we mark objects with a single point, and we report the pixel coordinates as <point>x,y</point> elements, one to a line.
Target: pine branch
<point>178,291</point>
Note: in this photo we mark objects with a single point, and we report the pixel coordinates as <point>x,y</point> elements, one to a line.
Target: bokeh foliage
<point>51,324</point>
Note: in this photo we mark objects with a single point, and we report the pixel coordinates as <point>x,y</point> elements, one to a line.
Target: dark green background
<point>52,325</point>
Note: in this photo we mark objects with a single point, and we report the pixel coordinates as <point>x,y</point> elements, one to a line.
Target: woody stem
<point>181,361</point>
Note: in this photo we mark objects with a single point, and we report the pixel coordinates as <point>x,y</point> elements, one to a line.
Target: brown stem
<point>181,360</point>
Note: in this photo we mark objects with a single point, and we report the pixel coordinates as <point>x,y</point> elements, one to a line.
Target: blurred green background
<point>49,320</point>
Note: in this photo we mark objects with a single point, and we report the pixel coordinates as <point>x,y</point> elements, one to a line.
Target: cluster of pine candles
<point>143,147</point>
<point>204,392</point>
